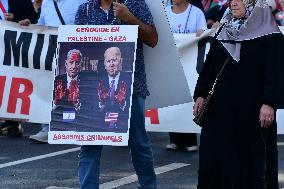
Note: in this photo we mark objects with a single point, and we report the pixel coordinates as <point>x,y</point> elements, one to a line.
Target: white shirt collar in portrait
<point>69,79</point>
<point>115,80</point>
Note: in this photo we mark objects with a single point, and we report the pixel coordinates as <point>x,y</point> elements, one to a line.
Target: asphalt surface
<point>60,171</point>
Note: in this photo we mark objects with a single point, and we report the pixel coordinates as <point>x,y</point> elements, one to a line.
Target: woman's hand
<point>37,5</point>
<point>199,33</point>
<point>198,104</point>
<point>25,22</point>
<point>216,25</point>
<point>266,116</point>
<point>9,16</point>
<point>121,12</point>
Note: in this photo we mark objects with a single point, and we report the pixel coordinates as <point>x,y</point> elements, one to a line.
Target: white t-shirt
<point>5,5</point>
<point>68,10</point>
<point>189,21</point>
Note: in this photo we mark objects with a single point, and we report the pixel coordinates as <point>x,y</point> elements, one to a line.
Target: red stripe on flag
<point>2,8</point>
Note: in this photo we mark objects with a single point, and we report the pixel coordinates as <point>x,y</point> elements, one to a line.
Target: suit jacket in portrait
<point>65,99</point>
<point>115,108</point>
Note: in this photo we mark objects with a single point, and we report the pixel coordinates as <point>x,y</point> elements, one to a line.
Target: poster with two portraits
<point>93,85</point>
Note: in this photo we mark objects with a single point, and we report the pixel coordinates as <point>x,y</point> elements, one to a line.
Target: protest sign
<point>93,85</point>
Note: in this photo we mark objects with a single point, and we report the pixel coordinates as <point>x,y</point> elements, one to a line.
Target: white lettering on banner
<point>27,62</point>
<point>179,118</point>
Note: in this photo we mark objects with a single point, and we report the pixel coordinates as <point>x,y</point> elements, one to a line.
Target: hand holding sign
<point>9,16</point>
<point>121,12</point>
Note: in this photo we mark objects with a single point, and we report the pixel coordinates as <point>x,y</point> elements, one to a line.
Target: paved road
<point>44,166</point>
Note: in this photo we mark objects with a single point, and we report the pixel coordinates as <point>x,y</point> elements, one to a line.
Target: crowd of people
<point>246,121</point>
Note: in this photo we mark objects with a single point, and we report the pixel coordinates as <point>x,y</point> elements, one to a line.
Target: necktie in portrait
<point>111,117</point>
<point>111,92</point>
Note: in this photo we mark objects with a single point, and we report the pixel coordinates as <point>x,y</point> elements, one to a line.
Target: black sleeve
<point>207,75</point>
<point>23,9</point>
<point>273,93</point>
<point>31,14</point>
<point>197,3</point>
<point>11,8</point>
<point>81,17</point>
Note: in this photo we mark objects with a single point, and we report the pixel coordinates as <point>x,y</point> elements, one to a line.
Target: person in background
<point>215,13</point>
<point>185,18</point>
<point>37,7</point>
<point>206,4</point>
<point>23,9</point>
<point>196,3</point>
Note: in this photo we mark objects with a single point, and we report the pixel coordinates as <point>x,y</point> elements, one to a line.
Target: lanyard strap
<point>185,28</point>
<point>58,13</point>
<point>2,7</point>
<point>217,78</point>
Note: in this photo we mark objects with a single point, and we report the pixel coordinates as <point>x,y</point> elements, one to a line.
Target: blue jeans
<point>141,153</point>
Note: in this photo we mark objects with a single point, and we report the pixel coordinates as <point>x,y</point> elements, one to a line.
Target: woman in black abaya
<point>239,127</point>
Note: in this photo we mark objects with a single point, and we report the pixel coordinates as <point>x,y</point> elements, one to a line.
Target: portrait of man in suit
<point>114,91</point>
<point>66,99</point>
<point>66,86</point>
